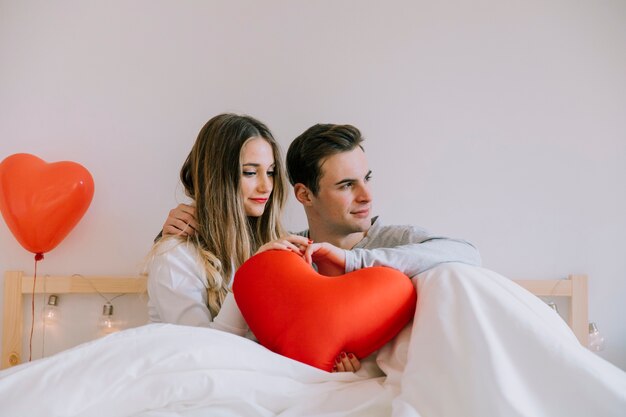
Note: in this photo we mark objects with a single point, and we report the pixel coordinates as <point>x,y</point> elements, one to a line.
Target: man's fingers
<point>178,227</point>
<point>180,216</point>
<point>191,210</point>
<point>308,254</point>
<point>193,224</point>
<point>171,230</point>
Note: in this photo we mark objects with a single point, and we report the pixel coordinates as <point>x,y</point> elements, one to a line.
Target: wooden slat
<point>12,321</point>
<point>579,308</point>
<point>84,285</point>
<point>547,287</point>
<point>575,287</point>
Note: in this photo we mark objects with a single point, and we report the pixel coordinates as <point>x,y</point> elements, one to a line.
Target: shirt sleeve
<point>416,253</point>
<point>230,319</point>
<point>177,286</point>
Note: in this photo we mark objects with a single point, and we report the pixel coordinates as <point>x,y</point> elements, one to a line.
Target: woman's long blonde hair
<point>226,236</point>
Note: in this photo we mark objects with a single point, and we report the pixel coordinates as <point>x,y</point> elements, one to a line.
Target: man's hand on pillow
<point>329,259</point>
<point>181,221</point>
<point>346,362</point>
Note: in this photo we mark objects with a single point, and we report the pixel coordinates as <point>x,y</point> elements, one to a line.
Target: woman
<point>235,175</point>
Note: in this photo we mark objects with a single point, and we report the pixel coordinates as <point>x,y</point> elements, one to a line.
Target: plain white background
<point>502,122</point>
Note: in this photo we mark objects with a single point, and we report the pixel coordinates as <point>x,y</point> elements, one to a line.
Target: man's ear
<point>303,194</point>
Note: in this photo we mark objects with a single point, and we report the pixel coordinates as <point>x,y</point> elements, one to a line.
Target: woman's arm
<point>230,319</point>
<point>177,286</point>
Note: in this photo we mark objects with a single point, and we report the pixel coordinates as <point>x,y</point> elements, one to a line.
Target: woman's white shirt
<point>177,291</point>
<point>177,285</point>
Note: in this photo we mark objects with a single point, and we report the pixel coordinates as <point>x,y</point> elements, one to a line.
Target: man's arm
<point>409,249</point>
<point>415,258</point>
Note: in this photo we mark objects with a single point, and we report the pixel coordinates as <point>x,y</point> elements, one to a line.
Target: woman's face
<point>257,175</point>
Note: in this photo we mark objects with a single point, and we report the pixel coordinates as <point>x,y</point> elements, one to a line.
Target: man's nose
<point>365,194</point>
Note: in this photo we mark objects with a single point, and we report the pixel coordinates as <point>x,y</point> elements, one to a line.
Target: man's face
<point>344,201</point>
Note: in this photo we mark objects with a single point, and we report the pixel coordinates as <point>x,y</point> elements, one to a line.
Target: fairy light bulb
<point>51,312</point>
<point>553,306</point>
<point>596,340</point>
<point>107,322</point>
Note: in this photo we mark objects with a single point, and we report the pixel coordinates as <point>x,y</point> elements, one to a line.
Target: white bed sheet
<point>479,345</point>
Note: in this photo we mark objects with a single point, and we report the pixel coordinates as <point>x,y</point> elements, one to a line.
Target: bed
<point>480,345</point>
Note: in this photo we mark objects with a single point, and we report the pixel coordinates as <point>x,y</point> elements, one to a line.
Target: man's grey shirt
<point>409,249</point>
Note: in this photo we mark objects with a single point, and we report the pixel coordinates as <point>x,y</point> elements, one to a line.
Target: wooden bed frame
<point>16,286</point>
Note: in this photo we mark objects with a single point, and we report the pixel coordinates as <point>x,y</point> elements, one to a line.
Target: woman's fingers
<point>354,362</point>
<point>294,243</point>
<point>339,366</point>
<point>286,245</point>
<point>346,362</point>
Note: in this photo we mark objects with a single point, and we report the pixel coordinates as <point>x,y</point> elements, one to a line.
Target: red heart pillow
<point>298,313</point>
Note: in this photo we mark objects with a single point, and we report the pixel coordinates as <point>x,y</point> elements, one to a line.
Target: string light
<point>553,306</point>
<point>596,339</point>
<point>107,322</point>
<point>52,311</point>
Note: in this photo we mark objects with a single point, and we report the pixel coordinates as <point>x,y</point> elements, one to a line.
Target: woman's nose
<point>265,183</point>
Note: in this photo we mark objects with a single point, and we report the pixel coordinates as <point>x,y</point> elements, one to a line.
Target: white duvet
<point>479,345</point>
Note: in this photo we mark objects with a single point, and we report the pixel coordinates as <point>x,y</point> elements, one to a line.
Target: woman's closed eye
<point>253,173</point>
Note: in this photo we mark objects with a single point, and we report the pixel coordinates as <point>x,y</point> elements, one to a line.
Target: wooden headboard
<point>16,285</point>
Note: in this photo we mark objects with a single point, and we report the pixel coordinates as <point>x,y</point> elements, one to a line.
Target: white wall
<point>502,122</point>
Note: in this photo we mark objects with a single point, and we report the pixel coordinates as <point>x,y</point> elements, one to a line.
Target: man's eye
<point>346,185</point>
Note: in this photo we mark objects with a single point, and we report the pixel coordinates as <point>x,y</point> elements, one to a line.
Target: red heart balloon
<point>298,313</point>
<point>42,202</point>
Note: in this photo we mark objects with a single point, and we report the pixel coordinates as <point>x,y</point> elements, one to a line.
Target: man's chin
<point>363,225</point>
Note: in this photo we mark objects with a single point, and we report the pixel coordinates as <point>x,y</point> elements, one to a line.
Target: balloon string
<point>38,257</point>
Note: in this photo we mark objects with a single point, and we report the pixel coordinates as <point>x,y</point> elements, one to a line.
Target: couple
<point>235,176</point>
<point>479,344</point>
